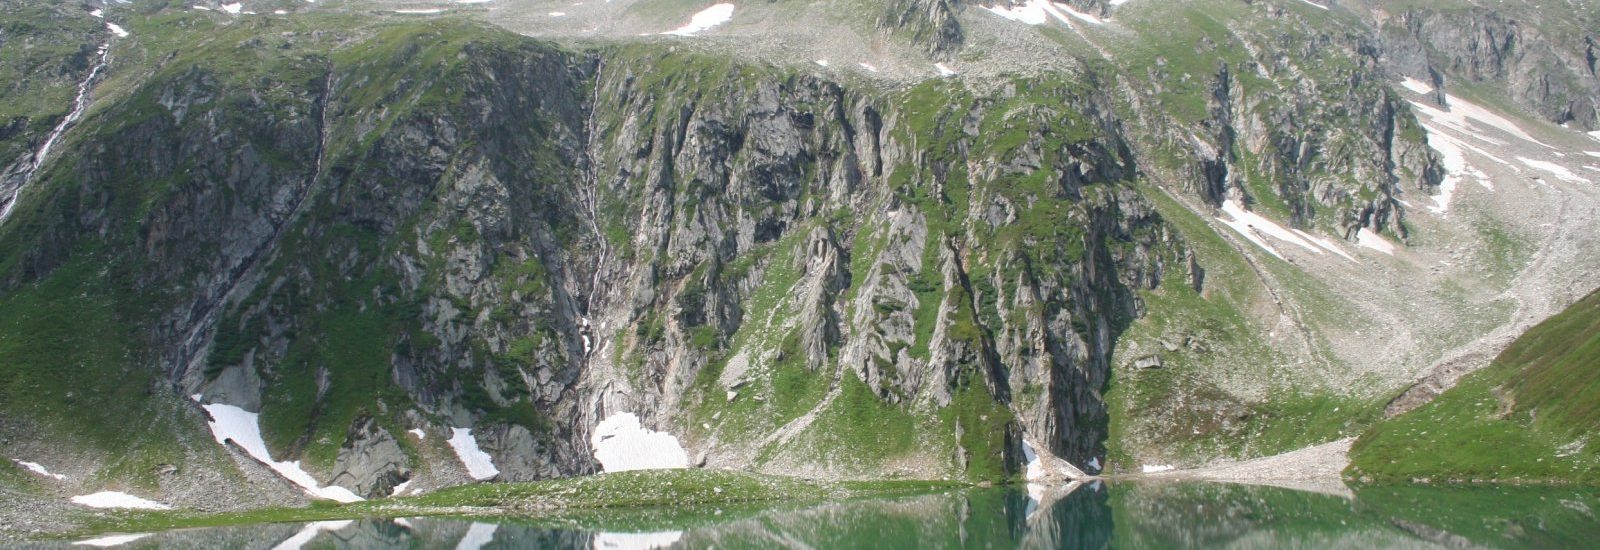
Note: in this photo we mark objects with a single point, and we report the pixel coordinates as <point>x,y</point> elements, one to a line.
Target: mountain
<point>416,245</point>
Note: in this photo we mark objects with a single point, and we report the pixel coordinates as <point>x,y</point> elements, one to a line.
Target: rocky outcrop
<point>931,24</point>
<point>370,462</point>
<point>1546,70</point>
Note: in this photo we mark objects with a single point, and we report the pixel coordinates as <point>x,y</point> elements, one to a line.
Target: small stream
<point>79,105</point>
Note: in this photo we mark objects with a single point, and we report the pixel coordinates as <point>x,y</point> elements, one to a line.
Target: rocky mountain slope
<point>413,249</point>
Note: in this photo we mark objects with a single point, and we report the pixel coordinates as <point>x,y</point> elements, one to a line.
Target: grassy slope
<point>1529,416</point>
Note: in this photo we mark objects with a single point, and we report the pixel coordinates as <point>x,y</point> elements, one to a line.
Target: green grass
<point>1530,416</point>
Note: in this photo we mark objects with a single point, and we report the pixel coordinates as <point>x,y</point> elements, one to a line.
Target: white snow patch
<point>945,70</point>
<point>429,11</point>
<point>1035,467</point>
<point>117,30</point>
<point>1314,4</point>
<point>1368,239</point>
<point>868,66</point>
<point>201,8</point>
<point>1462,113</point>
<point>1154,468</point>
<point>421,435</point>
<point>1031,13</point>
<point>472,1</point>
<point>233,8</point>
<point>280,12</point>
<point>1094,463</point>
<point>479,464</point>
<point>1252,225</point>
<point>1417,86</point>
<point>586,337</point>
<point>244,429</point>
<point>1454,159</point>
<point>98,13</point>
<point>1554,169</point>
<point>1086,18</point>
<point>1595,154</point>
<point>822,62</point>
<point>636,541</point>
<point>39,469</point>
<point>401,488</point>
<point>478,536</point>
<point>1325,244</point>
<point>116,499</point>
<point>111,540</point>
<point>309,532</point>
<point>621,444</point>
<point>715,15</point>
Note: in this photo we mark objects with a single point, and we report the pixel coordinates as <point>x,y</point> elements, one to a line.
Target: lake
<point>1098,515</point>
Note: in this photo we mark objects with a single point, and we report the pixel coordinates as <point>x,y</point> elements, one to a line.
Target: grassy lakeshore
<point>659,495</point>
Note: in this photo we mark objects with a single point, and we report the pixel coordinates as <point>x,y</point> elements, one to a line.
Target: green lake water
<point>1117,515</point>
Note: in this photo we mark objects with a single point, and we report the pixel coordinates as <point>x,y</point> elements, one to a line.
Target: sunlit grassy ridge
<point>1530,416</point>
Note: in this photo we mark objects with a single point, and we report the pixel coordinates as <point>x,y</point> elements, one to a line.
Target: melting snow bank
<point>309,532</point>
<point>1554,169</point>
<point>39,469</point>
<point>1035,469</point>
<point>705,19</point>
<point>1155,468</point>
<point>479,464</point>
<point>478,536</point>
<point>117,30</point>
<point>114,499</point>
<point>1037,12</point>
<point>1368,239</point>
<point>111,540</point>
<point>945,70</point>
<point>621,444</point>
<point>636,541</point>
<point>1251,226</point>
<point>244,429</point>
<point>421,12</point>
<point>1460,115</point>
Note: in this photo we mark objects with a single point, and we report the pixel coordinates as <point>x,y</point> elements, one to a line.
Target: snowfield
<point>117,499</point>
<point>479,464</point>
<point>621,444</point>
<point>38,468</point>
<point>244,429</point>
<point>705,19</point>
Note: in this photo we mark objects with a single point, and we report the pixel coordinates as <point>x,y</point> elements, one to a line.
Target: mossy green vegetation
<point>1530,416</point>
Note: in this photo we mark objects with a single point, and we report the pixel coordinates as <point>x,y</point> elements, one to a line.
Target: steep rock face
<point>487,232</point>
<point>931,24</point>
<point>1314,134</point>
<point>1551,73</point>
<point>370,462</point>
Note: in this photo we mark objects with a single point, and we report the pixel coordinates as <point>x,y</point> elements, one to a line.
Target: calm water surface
<point>1121,515</point>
